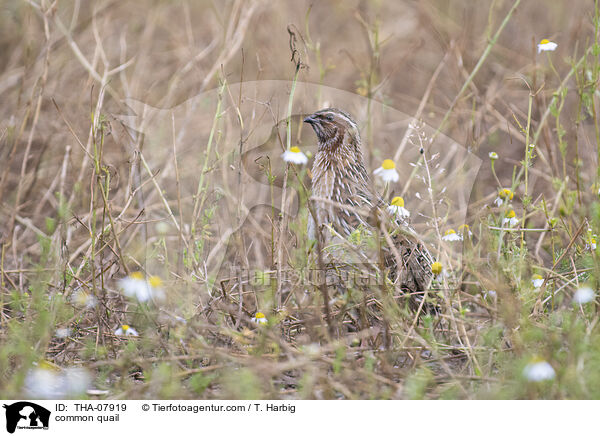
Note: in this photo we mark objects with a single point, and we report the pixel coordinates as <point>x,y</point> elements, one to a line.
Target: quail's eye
<point>330,117</point>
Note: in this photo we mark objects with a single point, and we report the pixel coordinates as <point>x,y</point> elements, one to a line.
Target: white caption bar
<point>141,417</point>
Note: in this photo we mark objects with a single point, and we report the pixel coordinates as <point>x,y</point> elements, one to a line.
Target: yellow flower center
<point>544,41</point>
<point>464,228</point>
<point>388,164</point>
<point>137,275</point>
<point>506,193</point>
<point>155,281</point>
<point>259,315</point>
<point>295,149</point>
<point>537,277</point>
<point>398,201</point>
<point>449,232</point>
<point>125,327</point>
<point>536,359</point>
<point>436,268</point>
<point>593,240</point>
<point>511,214</point>
<point>81,297</point>
<point>47,365</point>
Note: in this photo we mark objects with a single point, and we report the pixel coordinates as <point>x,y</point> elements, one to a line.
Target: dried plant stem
<point>477,67</point>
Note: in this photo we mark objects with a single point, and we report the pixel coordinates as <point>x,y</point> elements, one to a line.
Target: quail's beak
<point>311,120</point>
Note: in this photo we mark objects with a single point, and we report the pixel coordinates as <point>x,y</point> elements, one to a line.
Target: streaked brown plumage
<point>344,199</point>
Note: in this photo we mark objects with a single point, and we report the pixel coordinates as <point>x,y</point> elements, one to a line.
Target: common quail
<point>344,200</point>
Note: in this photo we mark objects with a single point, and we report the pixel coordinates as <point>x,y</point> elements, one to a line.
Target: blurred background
<point>163,53</point>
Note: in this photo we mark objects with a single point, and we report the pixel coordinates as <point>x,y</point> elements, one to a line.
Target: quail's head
<point>330,125</point>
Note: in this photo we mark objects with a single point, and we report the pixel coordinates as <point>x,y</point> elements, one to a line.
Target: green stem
<point>198,204</point>
<point>482,59</point>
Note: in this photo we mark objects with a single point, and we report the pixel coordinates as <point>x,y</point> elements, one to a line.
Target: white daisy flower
<point>546,45</point>
<point>438,270</point>
<point>387,171</point>
<point>493,155</point>
<point>503,195</point>
<point>137,287</point>
<point>63,333</point>
<point>83,299</point>
<point>396,208</point>
<point>156,285</point>
<point>259,318</point>
<point>539,370</point>
<point>48,381</point>
<point>294,155</point>
<point>126,330</point>
<point>591,243</point>
<point>510,219</point>
<point>537,281</point>
<point>465,230</point>
<point>584,295</point>
<point>451,236</point>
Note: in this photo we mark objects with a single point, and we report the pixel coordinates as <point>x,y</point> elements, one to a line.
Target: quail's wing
<point>355,210</point>
<point>416,258</point>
